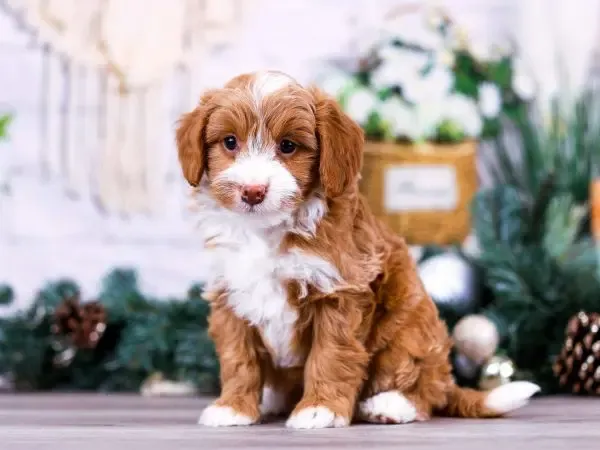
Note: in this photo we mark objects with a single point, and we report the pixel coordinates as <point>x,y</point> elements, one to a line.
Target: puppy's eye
<point>287,147</point>
<point>230,143</point>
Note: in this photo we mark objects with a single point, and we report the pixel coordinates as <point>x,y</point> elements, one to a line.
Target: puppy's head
<point>264,143</point>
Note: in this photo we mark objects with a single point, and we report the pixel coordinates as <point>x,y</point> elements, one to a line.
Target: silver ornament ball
<point>450,281</point>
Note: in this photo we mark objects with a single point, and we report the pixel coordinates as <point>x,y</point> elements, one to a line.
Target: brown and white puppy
<point>317,310</point>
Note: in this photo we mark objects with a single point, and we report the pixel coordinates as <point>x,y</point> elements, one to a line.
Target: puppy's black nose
<point>254,194</point>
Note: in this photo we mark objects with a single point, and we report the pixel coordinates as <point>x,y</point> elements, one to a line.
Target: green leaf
<point>376,129</point>
<point>464,84</point>
<point>500,72</point>
<point>5,121</point>
<point>491,128</point>
<point>449,131</point>
<point>6,295</point>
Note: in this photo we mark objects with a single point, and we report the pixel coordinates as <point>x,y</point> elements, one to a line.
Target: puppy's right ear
<point>190,140</point>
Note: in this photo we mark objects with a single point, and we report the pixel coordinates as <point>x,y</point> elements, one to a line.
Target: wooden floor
<point>92,422</point>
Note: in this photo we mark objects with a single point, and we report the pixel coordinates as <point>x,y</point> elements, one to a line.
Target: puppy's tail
<point>470,403</point>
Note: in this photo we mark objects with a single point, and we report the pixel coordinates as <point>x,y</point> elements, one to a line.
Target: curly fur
<point>317,308</point>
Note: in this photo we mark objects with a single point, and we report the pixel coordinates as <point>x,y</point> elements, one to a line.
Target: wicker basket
<point>423,194</point>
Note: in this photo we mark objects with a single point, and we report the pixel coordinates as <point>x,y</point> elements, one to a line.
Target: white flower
<point>360,103</point>
<point>387,74</point>
<point>335,82</point>
<point>522,83</point>
<point>431,87</point>
<point>524,86</point>
<point>441,79</point>
<point>397,66</point>
<point>399,117</point>
<point>490,100</point>
<point>415,123</point>
<point>463,111</point>
<point>413,89</point>
<point>429,115</point>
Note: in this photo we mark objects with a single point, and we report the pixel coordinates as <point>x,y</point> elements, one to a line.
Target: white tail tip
<point>511,396</point>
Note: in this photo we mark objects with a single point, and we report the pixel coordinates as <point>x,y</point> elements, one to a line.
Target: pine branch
<point>142,336</point>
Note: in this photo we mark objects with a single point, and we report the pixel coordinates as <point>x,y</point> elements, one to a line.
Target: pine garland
<point>142,336</point>
<point>534,293</point>
<point>538,256</point>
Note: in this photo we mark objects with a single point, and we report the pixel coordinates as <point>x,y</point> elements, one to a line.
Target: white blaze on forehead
<point>256,145</point>
<point>266,83</point>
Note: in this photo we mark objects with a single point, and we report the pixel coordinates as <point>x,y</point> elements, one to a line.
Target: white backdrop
<point>47,230</point>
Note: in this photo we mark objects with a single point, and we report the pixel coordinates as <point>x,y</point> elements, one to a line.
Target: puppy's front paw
<point>316,417</point>
<point>223,416</point>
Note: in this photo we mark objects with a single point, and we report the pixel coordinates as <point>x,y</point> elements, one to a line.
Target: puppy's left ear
<point>341,143</point>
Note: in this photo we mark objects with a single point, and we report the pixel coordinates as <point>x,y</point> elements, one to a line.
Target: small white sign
<point>420,188</point>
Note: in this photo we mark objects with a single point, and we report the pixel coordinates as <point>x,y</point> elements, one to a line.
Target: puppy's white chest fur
<point>257,293</point>
<point>245,260</point>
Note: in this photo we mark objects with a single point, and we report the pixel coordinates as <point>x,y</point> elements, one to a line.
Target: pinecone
<point>578,365</point>
<point>84,323</point>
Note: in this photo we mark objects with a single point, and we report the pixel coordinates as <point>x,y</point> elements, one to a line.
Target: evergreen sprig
<point>538,258</point>
<point>562,144</point>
